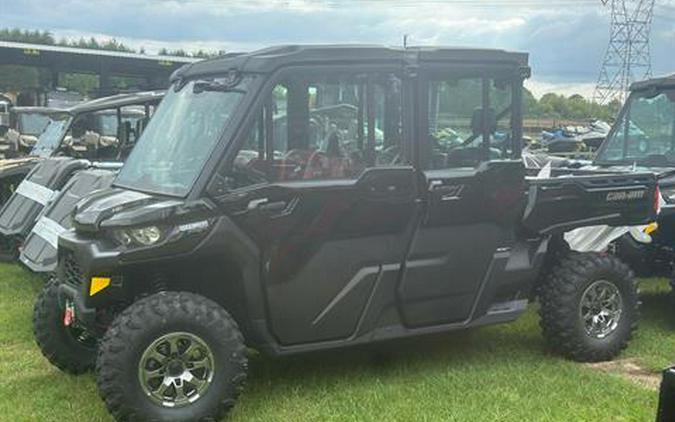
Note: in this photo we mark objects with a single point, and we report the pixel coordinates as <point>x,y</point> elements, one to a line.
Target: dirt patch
<point>631,370</point>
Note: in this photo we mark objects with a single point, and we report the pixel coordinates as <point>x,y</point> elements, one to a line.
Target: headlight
<point>143,236</point>
<point>152,235</point>
<point>668,195</point>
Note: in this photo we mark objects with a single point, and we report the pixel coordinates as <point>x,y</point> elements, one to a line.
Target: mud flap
<point>39,252</point>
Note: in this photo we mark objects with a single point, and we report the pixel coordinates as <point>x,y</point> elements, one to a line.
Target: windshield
<point>51,137</point>
<point>32,123</point>
<point>179,139</point>
<point>645,132</point>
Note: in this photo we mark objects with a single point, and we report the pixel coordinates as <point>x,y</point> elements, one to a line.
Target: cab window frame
<point>259,114</point>
<point>435,72</point>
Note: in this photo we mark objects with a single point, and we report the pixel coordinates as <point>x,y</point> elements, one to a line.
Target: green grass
<point>500,373</point>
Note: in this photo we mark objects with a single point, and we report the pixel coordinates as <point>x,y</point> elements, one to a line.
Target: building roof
<point>269,59</point>
<point>155,70</point>
<point>92,52</point>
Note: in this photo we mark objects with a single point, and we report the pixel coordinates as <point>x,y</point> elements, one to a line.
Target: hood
<point>118,207</point>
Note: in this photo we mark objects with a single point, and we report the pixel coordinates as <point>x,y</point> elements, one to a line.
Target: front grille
<point>72,272</point>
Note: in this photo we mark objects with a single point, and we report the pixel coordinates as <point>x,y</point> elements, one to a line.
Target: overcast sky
<point>566,38</point>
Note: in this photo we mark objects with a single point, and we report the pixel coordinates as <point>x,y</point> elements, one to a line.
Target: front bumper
<point>80,259</point>
<point>84,316</point>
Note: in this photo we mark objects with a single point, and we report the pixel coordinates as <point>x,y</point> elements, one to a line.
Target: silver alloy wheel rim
<point>176,369</point>
<point>600,309</point>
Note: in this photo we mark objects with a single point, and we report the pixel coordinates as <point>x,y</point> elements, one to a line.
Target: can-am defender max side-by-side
<point>92,130</point>
<point>307,198</point>
<point>97,134</point>
<point>643,139</point>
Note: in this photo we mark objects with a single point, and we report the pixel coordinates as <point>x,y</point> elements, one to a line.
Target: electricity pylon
<point>628,57</point>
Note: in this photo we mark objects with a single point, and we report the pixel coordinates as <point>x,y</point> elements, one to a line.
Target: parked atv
<point>643,139</point>
<point>225,230</point>
<point>105,129</point>
<point>56,138</point>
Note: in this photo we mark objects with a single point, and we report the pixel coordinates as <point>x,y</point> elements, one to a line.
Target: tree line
<point>574,107</point>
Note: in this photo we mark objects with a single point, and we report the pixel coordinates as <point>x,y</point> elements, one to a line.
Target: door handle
<point>272,206</point>
<point>446,192</point>
<point>435,185</point>
<point>263,204</point>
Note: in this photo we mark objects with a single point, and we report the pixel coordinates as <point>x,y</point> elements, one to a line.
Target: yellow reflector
<point>651,228</point>
<point>98,284</point>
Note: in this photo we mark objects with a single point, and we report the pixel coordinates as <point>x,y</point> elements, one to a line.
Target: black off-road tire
<point>56,342</point>
<point>560,297</point>
<point>147,320</point>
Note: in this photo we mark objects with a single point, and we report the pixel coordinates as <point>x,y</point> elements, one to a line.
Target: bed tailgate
<point>560,204</point>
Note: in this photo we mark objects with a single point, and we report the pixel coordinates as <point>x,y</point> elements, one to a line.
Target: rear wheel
<point>171,357</point>
<point>589,307</point>
<point>67,347</point>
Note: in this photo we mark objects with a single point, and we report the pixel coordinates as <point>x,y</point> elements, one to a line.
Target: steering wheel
<point>317,164</point>
<point>299,158</point>
<point>251,174</point>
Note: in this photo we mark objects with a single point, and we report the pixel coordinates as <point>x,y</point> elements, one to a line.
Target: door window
<point>325,126</point>
<point>107,134</point>
<point>469,120</point>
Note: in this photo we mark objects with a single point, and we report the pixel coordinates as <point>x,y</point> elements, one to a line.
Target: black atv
<point>94,135</point>
<point>306,198</point>
<point>643,139</point>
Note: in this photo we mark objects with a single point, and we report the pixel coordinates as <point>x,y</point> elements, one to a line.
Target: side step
<point>502,312</point>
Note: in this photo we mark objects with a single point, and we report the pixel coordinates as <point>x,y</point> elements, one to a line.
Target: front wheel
<point>171,357</point>
<point>589,307</point>
<point>66,346</point>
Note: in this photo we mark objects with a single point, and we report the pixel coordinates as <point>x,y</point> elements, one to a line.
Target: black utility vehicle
<point>96,134</point>
<point>305,198</point>
<point>88,130</point>
<point>643,139</point>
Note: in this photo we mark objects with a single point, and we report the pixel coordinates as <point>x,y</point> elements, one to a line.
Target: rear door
<point>329,196</point>
<point>475,192</point>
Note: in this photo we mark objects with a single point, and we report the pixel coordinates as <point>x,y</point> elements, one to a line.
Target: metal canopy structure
<point>155,70</point>
<point>628,55</point>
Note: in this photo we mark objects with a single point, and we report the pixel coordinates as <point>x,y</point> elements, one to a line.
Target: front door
<point>334,201</point>
<point>474,195</point>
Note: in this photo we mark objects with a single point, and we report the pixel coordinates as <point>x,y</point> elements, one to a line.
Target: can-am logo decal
<point>625,195</point>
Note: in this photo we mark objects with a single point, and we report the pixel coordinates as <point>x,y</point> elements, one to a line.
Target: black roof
<point>269,59</point>
<point>115,101</point>
<point>661,82</point>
